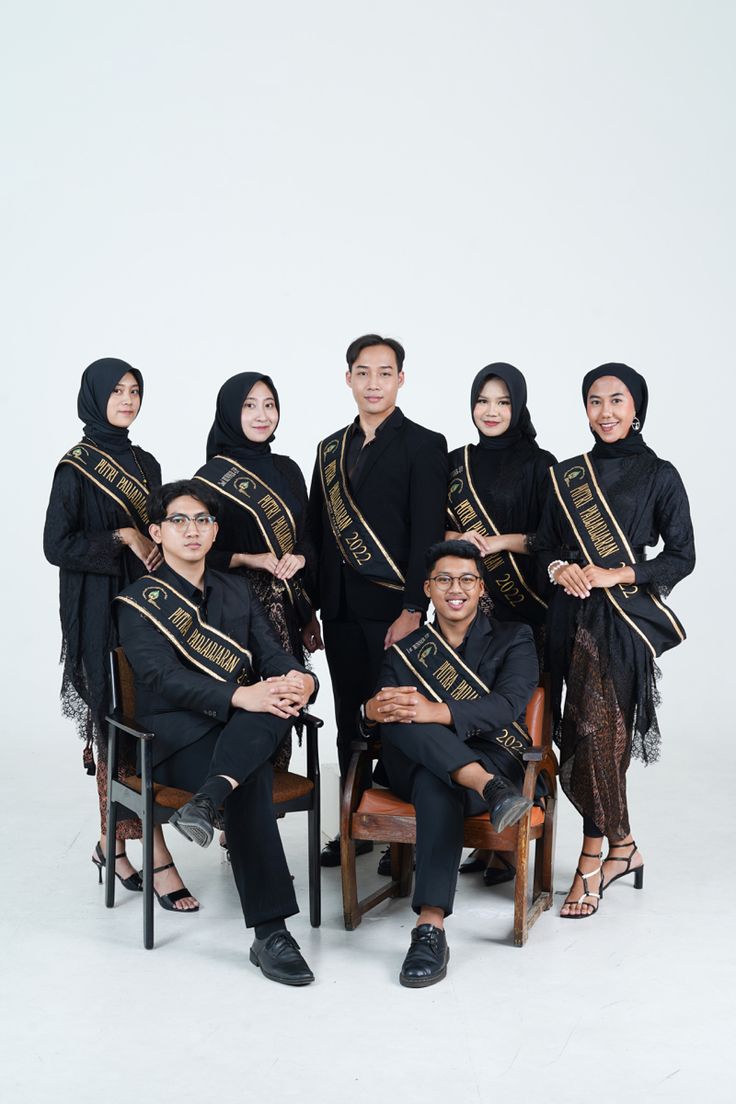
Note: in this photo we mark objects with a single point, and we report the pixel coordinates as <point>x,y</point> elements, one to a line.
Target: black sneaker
<point>505,804</point>
<point>196,820</point>
<point>427,958</point>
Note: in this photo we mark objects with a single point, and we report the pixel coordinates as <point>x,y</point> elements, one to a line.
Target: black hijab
<point>633,443</point>
<point>521,423</point>
<point>226,435</point>
<point>98,383</point>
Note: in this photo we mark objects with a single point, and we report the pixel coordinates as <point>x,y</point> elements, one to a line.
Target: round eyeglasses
<point>444,582</point>
<point>179,521</point>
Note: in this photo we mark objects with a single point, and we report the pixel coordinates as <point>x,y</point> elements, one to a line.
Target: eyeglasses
<point>444,582</point>
<point>179,521</point>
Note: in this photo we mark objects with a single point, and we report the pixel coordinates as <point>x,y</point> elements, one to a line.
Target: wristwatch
<point>413,609</point>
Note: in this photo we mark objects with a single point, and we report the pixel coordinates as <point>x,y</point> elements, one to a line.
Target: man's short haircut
<point>462,550</point>
<point>355,348</point>
<point>160,500</point>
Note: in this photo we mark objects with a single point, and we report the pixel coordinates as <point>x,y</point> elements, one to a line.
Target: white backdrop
<point>206,188</point>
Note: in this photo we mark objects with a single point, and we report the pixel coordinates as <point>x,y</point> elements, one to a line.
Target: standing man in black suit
<point>377,502</point>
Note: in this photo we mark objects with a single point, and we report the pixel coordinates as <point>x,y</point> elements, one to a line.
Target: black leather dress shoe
<point>427,957</point>
<point>505,804</point>
<point>279,959</point>
<point>196,820</point>
<point>330,854</point>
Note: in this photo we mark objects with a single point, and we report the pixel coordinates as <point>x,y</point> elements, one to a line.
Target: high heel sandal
<point>637,871</point>
<point>133,882</point>
<point>168,900</point>
<point>588,892</point>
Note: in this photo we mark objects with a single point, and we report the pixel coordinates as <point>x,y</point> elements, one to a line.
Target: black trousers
<point>355,654</point>
<point>243,749</point>
<point>419,760</point>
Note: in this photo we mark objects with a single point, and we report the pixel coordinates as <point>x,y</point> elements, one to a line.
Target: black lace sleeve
<point>672,521</point>
<point>550,541</point>
<point>66,543</point>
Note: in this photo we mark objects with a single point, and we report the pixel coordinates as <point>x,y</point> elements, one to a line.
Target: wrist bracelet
<point>553,567</point>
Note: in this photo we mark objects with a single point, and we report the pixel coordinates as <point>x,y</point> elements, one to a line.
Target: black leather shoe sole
<point>194,827</point>
<point>513,811</point>
<point>283,979</point>
<point>422,982</point>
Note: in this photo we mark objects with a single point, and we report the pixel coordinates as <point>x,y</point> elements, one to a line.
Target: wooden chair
<point>154,804</point>
<point>378,814</point>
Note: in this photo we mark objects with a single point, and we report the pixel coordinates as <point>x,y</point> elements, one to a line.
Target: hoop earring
<point>636,424</point>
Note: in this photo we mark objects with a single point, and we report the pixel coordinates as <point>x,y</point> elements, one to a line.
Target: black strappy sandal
<point>637,871</point>
<point>168,900</point>
<point>588,892</point>
<point>133,882</point>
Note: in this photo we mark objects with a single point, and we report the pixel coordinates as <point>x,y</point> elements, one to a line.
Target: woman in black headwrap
<point>263,504</point>
<point>607,620</point>
<point>96,532</point>
<point>496,495</point>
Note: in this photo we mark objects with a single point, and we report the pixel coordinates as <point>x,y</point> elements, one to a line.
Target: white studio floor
<point>635,1004</point>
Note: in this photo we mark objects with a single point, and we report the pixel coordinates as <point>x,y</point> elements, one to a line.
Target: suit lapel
<point>479,640</point>
<point>383,441</point>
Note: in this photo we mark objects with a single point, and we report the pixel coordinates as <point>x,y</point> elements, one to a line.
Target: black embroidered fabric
<point>606,670</point>
<point>94,566</point>
<point>239,532</point>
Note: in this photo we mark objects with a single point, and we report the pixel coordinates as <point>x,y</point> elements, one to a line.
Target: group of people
<point>213,585</point>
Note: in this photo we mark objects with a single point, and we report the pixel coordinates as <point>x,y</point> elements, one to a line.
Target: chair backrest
<point>535,717</point>
<point>123,683</point>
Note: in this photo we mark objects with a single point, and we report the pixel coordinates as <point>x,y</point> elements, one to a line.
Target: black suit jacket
<point>400,488</point>
<point>503,655</point>
<point>175,699</point>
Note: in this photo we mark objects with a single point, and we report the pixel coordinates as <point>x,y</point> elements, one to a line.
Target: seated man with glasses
<point>451,713</point>
<point>219,691</point>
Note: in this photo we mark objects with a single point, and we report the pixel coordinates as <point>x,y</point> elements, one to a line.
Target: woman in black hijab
<point>96,533</point>
<point>266,543</point>
<point>607,619</point>
<point>501,483</point>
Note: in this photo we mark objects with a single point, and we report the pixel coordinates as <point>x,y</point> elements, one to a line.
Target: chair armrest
<point>128,724</point>
<point>370,747</point>
<point>309,719</point>
<point>351,791</point>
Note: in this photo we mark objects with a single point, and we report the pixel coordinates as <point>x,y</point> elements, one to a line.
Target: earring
<point>636,424</point>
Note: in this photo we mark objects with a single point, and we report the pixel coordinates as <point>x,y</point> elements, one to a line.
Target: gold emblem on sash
<point>152,595</point>
<point>110,477</point>
<point>573,474</point>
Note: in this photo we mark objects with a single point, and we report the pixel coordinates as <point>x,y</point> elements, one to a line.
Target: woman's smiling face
<point>492,411</point>
<point>610,409</point>
<point>259,415</point>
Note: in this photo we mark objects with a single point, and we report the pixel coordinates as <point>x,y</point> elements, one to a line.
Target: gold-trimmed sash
<point>504,576</point>
<point>112,479</point>
<point>604,543</point>
<point>437,668</point>
<point>180,621</point>
<point>356,540</point>
<point>272,516</point>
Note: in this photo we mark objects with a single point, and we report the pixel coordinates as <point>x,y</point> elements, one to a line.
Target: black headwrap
<point>226,435</point>
<point>98,383</point>
<point>521,422</point>
<point>633,442</point>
